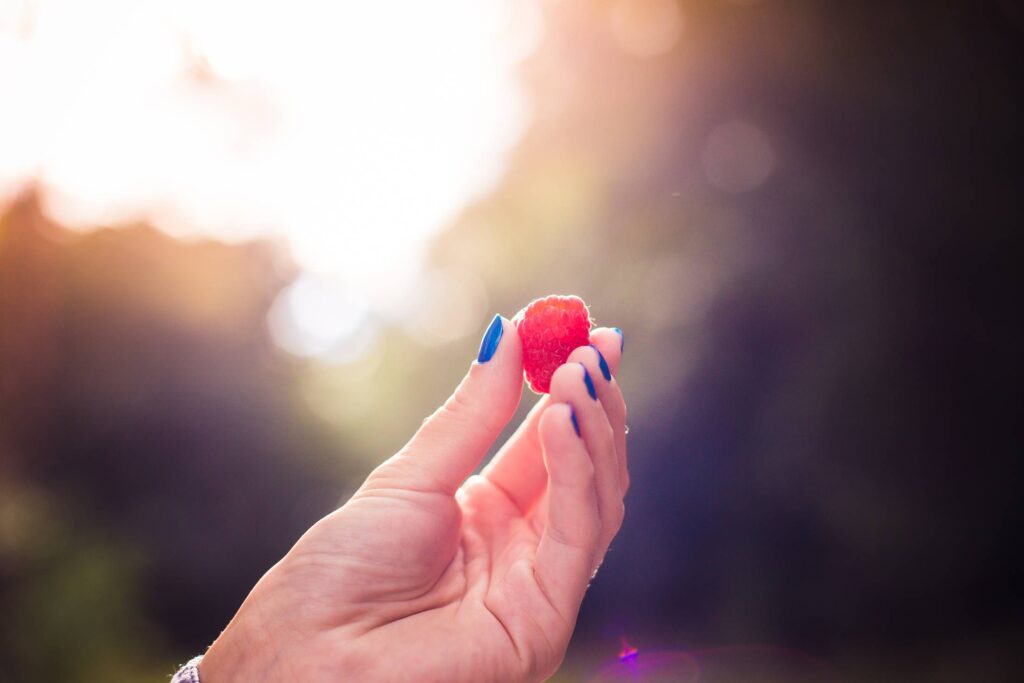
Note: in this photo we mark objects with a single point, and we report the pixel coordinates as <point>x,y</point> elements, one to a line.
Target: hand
<point>417,578</point>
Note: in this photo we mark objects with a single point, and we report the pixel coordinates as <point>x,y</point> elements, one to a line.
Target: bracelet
<point>188,673</point>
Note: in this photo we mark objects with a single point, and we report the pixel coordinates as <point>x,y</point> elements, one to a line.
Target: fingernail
<point>622,340</point>
<point>589,382</point>
<point>603,364</point>
<point>575,424</point>
<point>492,337</point>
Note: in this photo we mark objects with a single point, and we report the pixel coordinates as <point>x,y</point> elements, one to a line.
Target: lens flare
<point>750,663</point>
<point>650,667</point>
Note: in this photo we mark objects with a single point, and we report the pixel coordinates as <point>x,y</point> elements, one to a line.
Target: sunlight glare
<point>353,130</point>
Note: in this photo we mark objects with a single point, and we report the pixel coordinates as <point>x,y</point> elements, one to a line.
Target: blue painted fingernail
<point>603,363</point>
<point>622,339</point>
<point>492,337</point>
<point>589,382</point>
<point>575,424</point>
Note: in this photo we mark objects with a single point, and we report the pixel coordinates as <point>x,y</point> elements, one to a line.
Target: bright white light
<point>355,130</point>
<point>312,316</point>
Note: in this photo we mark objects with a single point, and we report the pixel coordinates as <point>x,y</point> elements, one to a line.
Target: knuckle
<point>459,407</point>
<point>470,414</point>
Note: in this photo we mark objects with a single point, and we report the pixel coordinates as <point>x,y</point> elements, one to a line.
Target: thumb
<point>453,440</point>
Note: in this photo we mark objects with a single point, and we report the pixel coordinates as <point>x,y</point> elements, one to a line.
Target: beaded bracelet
<point>188,673</point>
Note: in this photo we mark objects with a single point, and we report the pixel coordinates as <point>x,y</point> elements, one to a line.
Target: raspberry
<point>550,328</point>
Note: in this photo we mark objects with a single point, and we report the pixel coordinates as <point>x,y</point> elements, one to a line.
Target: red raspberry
<point>550,328</point>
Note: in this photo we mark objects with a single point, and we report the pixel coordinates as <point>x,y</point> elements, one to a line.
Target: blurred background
<point>246,247</point>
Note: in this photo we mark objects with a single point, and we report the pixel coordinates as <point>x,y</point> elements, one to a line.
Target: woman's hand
<point>427,576</point>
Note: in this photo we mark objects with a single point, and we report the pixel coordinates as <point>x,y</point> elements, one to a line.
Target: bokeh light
<point>737,157</point>
<point>351,130</point>
<point>646,28</point>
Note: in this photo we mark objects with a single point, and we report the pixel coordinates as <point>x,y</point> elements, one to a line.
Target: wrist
<point>220,664</point>
<point>237,655</point>
<point>223,662</point>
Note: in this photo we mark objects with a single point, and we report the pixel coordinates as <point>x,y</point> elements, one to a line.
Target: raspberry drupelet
<point>550,329</point>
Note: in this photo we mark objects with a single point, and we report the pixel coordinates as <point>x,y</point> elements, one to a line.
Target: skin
<point>425,575</point>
